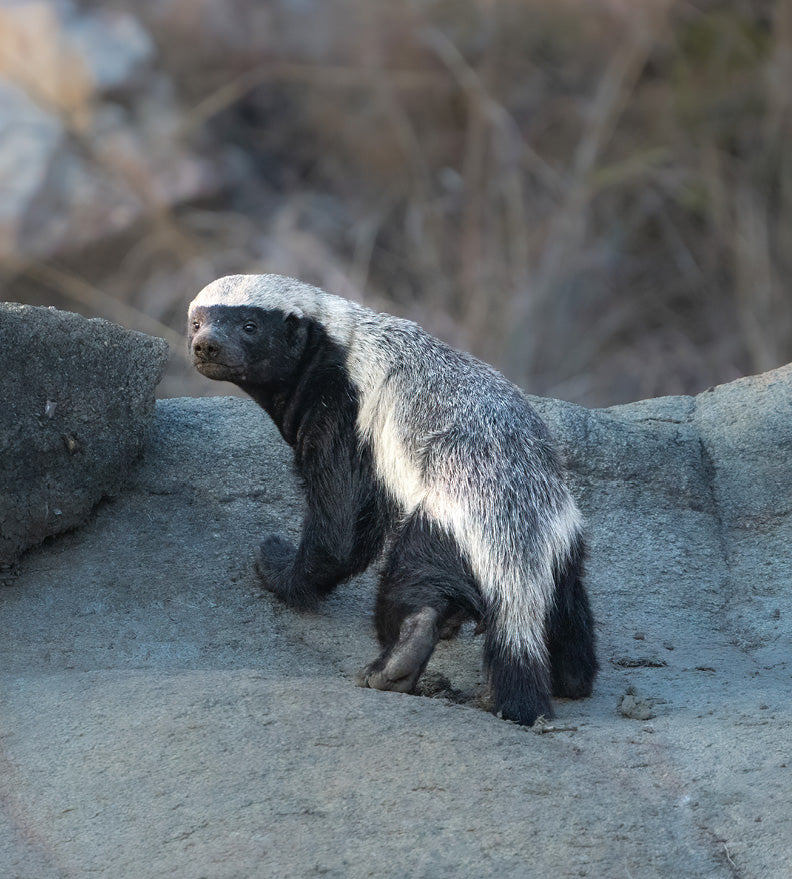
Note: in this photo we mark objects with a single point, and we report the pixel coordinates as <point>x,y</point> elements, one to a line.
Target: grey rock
<point>163,716</point>
<point>632,705</point>
<point>77,397</point>
<point>706,483</point>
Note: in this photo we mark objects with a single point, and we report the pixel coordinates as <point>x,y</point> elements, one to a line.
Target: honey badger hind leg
<point>557,658</point>
<point>402,663</point>
<point>571,640</point>
<point>519,680</point>
<point>425,591</point>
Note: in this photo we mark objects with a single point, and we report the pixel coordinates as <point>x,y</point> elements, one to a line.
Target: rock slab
<point>77,398</point>
<point>159,715</point>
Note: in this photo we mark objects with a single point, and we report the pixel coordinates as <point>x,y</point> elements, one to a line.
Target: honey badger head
<point>246,332</point>
<point>246,344</point>
<point>257,329</point>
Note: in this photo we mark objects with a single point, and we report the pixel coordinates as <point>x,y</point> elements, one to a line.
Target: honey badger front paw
<point>275,566</point>
<point>274,560</point>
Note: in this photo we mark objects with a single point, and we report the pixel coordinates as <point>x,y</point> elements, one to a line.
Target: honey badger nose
<point>206,346</point>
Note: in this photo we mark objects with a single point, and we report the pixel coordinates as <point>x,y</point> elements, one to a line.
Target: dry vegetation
<point>595,196</point>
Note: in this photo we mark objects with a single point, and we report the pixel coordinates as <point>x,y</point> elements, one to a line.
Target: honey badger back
<point>398,437</point>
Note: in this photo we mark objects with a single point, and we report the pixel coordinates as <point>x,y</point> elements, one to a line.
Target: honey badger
<point>405,445</point>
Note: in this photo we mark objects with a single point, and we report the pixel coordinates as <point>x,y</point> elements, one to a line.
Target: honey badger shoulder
<point>401,441</point>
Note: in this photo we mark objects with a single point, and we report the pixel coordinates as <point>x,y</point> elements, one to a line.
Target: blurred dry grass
<point>594,196</point>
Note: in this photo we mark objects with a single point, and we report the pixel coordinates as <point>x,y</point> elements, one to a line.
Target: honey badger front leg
<point>344,526</point>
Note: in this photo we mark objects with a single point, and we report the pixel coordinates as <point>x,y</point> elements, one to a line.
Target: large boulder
<point>689,506</point>
<point>76,401</point>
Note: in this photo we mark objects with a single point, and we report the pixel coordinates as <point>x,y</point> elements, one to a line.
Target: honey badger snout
<point>207,344</point>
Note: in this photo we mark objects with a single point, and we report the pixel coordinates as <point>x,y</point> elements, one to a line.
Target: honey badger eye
<point>196,325</point>
<point>249,327</point>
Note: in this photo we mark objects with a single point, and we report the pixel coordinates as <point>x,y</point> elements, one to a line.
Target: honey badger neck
<point>315,392</point>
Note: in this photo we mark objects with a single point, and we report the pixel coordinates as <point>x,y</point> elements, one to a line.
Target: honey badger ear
<point>297,330</point>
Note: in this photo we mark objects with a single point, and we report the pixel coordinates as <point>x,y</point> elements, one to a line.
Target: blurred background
<point>593,195</point>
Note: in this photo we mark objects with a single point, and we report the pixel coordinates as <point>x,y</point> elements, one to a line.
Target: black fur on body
<point>407,446</point>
